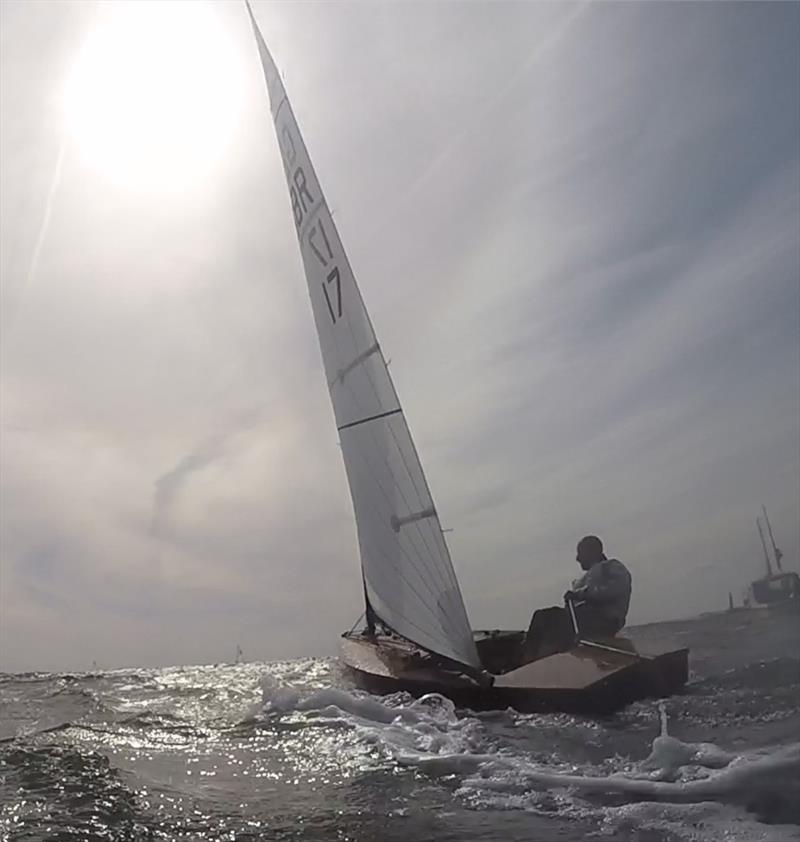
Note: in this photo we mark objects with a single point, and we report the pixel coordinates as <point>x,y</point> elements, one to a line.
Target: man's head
<point>590,551</point>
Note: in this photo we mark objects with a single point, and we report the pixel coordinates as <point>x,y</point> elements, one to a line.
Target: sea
<point>290,750</point>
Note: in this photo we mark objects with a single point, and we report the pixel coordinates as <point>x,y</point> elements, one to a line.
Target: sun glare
<point>154,97</point>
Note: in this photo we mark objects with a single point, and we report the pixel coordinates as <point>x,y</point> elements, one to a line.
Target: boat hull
<point>593,677</point>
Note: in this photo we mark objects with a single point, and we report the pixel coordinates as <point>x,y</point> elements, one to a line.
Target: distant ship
<point>778,588</point>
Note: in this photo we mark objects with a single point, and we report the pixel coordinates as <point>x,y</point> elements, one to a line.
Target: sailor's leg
<point>550,631</point>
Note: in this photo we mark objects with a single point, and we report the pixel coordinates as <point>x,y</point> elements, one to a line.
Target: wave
<point>680,786</point>
<point>149,721</point>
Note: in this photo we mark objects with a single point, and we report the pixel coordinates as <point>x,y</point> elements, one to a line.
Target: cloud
<point>576,232</point>
<point>208,451</point>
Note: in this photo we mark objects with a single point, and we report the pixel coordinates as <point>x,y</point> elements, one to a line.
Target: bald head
<point>590,551</point>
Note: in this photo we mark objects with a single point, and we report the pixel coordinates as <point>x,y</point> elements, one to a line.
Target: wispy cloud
<point>209,450</point>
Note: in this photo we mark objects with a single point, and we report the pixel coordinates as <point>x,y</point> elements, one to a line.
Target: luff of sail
<point>408,574</point>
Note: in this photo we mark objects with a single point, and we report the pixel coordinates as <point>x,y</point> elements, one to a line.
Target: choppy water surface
<point>289,751</point>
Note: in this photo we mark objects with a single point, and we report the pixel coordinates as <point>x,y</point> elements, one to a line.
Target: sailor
<point>602,595</point>
<point>599,600</point>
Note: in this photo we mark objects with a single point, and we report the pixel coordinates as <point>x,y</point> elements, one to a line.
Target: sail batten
<point>409,581</point>
<point>368,419</point>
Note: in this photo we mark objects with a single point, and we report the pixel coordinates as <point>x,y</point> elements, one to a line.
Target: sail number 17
<point>332,285</point>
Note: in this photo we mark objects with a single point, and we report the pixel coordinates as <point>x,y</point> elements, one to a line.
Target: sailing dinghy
<point>417,636</point>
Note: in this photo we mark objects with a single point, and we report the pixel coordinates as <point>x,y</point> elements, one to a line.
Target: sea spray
<point>429,735</point>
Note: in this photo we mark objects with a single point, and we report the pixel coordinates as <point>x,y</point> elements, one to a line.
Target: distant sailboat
<point>417,635</point>
<point>776,589</point>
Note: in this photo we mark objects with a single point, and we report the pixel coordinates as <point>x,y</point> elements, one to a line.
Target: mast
<point>410,585</point>
<point>764,545</point>
<point>775,550</point>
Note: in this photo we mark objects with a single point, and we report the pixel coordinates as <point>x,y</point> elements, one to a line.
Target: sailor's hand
<point>569,596</point>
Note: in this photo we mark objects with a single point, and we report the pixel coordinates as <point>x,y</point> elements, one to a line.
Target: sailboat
<point>417,635</point>
<point>778,589</point>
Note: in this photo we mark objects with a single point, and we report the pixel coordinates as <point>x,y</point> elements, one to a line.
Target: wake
<point>683,787</point>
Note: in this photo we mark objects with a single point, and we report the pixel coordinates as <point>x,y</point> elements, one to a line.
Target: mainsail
<point>409,580</point>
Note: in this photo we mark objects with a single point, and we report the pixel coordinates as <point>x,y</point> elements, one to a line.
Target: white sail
<point>408,575</point>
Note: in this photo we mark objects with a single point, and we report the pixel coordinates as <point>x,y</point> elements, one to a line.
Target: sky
<point>576,228</point>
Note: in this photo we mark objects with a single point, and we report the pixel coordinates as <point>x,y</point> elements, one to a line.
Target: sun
<point>154,99</point>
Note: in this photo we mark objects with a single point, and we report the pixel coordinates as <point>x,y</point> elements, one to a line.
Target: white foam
<point>680,786</point>
<point>700,822</point>
<point>739,776</point>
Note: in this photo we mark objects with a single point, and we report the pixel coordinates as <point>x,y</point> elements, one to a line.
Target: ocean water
<point>290,751</point>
